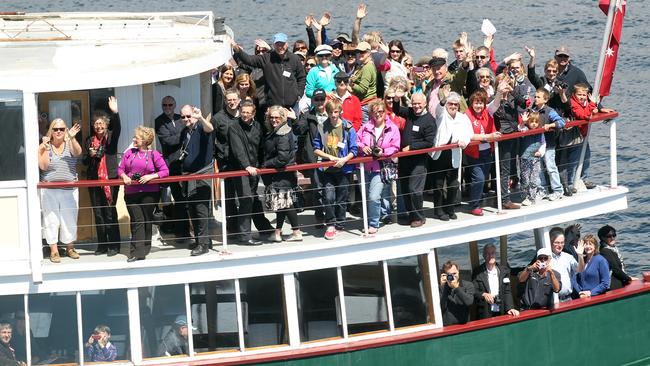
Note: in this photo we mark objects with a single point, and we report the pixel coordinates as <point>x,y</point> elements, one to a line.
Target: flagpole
<point>596,91</point>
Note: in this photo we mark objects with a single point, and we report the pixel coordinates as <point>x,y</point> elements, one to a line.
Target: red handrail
<point>365,159</point>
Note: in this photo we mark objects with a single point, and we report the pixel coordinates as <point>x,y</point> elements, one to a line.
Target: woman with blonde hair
<point>57,160</point>
<point>246,88</point>
<point>138,166</point>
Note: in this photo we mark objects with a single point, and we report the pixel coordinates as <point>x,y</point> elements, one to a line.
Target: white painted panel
<point>130,104</point>
<point>186,90</point>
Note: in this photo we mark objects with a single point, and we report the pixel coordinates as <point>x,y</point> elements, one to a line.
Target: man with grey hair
<point>453,127</point>
<point>7,354</point>
<point>419,133</point>
<point>492,291</point>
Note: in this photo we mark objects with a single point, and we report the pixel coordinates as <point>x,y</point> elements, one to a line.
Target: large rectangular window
<point>54,328</point>
<point>365,297</point>
<point>163,321</point>
<point>105,319</point>
<point>214,316</point>
<point>317,292</point>
<point>12,142</point>
<point>408,291</point>
<point>264,299</point>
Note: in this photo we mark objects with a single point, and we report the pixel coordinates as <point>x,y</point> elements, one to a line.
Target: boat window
<point>460,254</point>
<point>54,328</point>
<point>12,141</point>
<point>214,316</point>
<point>12,312</point>
<point>265,318</point>
<point>101,309</point>
<point>317,293</point>
<point>365,297</point>
<point>163,321</point>
<point>408,291</point>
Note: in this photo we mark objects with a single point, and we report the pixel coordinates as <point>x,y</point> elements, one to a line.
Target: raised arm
<point>362,11</point>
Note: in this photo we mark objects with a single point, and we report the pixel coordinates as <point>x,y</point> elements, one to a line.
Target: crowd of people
<point>330,100</point>
<point>573,267</point>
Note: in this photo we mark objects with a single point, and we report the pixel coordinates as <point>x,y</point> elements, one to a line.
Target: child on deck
<point>582,108</point>
<point>533,148</point>
<point>552,122</point>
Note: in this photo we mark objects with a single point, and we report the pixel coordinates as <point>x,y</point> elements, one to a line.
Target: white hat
<point>323,50</point>
<point>544,251</point>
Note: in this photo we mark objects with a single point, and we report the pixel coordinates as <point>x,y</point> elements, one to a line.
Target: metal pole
<point>364,208</point>
<point>497,178</point>
<point>599,78</point>
<point>612,155</point>
<point>224,224</point>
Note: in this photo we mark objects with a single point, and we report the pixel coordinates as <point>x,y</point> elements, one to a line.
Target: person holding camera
<point>138,166</point>
<point>378,138</point>
<point>541,281</point>
<point>98,347</point>
<point>456,295</point>
<point>492,293</point>
<point>101,159</point>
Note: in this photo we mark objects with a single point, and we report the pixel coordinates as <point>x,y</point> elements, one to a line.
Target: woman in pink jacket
<point>379,137</point>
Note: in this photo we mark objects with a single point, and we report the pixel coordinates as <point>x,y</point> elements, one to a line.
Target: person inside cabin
<point>283,71</point>
<point>336,142</point>
<point>280,192</point>
<point>101,159</point>
<point>139,165</point>
<point>453,128</point>
<point>492,288</point>
<point>7,353</point>
<point>196,158</point>
<point>419,133</point>
<point>456,295</point>
<point>19,340</point>
<point>564,263</point>
<point>169,127</point>
<point>98,347</point>
<point>551,122</point>
<point>57,161</point>
<point>174,342</point>
<point>245,139</point>
<point>609,249</point>
<point>541,281</point>
<point>532,149</point>
<point>594,279</point>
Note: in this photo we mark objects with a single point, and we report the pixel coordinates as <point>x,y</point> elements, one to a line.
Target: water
<point>541,24</point>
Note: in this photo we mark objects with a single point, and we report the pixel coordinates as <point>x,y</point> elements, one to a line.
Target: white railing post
<point>497,178</point>
<point>389,300</point>
<point>135,337</point>
<point>291,303</point>
<point>364,207</point>
<point>80,335</point>
<point>188,316</point>
<point>28,340</point>
<point>224,224</point>
<point>612,155</point>
<point>342,312</point>
<point>434,281</point>
<point>240,316</point>
<point>30,114</point>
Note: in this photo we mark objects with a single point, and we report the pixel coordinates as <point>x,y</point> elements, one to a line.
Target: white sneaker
<point>526,202</point>
<point>554,196</point>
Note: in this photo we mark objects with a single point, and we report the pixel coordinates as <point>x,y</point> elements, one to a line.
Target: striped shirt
<point>62,168</point>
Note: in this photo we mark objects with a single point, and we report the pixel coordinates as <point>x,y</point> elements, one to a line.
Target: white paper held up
<point>488,28</point>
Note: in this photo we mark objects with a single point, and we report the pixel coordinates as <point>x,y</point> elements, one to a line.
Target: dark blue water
<point>423,26</point>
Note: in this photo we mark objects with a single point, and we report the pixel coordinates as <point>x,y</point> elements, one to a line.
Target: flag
<point>611,52</point>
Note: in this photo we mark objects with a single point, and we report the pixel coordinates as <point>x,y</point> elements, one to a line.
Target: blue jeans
<point>377,191</point>
<point>553,173</point>
<point>479,170</point>
<point>364,114</point>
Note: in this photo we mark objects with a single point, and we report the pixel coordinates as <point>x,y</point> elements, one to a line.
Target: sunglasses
<point>481,57</point>
<point>309,64</point>
<point>611,236</point>
<point>58,129</point>
<point>338,47</point>
<point>408,64</point>
<point>168,105</point>
<point>395,51</point>
<point>186,116</point>
<point>301,48</point>
<point>484,77</point>
<point>542,258</point>
<point>341,81</point>
<point>319,99</point>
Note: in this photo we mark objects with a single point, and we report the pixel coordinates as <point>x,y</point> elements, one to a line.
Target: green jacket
<point>364,84</point>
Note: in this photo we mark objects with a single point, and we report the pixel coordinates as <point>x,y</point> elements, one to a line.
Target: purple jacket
<point>389,141</point>
<point>133,161</point>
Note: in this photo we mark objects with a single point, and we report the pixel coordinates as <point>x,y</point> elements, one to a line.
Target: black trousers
<point>198,209</point>
<point>106,225</point>
<point>507,155</point>
<point>445,175</point>
<point>141,207</point>
<point>242,204</point>
<point>414,173</point>
<point>316,192</point>
<point>176,213</point>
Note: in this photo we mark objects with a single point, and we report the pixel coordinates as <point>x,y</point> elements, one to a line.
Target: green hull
<point>612,333</point>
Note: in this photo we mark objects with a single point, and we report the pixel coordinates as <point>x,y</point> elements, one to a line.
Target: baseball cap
<point>341,75</point>
<point>344,37</point>
<point>323,50</point>
<point>335,42</point>
<point>437,61</point>
<point>181,320</point>
<point>363,47</point>
<point>319,94</point>
<point>544,251</point>
<point>564,50</point>
<point>280,37</point>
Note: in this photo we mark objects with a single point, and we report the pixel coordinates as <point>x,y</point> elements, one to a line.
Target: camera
<point>376,151</point>
<point>99,152</point>
<point>541,265</point>
<point>450,278</point>
<point>96,337</point>
<point>136,176</point>
<point>182,156</point>
<point>561,84</point>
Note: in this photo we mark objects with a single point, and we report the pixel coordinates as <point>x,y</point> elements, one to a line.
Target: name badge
<point>286,74</point>
<point>506,280</point>
<point>340,145</point>
<point>416,128</point>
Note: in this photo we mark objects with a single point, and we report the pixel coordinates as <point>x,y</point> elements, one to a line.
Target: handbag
<point>278,198</point>
<point>570,137</point>
<point>388,171</point>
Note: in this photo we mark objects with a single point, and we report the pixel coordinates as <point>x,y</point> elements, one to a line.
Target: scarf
<point>102,171</point>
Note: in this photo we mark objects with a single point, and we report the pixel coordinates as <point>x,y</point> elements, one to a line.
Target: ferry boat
<point>359,300</point>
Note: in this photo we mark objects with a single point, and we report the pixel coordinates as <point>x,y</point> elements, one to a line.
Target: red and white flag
<point>611,52</point>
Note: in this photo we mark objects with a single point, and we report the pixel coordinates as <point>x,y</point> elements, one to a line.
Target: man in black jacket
<point>283,71</point>
<point>7,355</point>
<point>419,133</point>
<point>174,343</point>
<point>492,292</point>
<point>456,295</point>
<point>245,141</point>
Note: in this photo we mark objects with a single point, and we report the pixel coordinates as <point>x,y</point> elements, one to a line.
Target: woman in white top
<point>57,160</point>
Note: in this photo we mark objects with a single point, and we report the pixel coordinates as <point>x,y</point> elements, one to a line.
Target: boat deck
<point>163,248</point>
